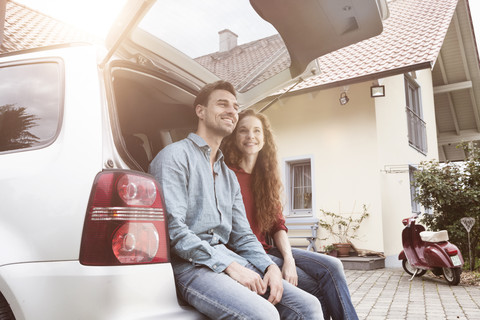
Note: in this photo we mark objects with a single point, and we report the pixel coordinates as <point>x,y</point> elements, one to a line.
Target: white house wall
<point>342,141</point>
<point>395,155</point>
<point>360,153</point>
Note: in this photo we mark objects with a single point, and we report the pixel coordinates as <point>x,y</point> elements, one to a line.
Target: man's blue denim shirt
<point>207,223</point>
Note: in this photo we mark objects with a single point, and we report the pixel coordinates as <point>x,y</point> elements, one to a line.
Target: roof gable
<point>248,64</point>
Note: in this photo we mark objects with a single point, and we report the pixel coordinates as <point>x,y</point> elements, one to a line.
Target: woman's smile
<point>250,139</point>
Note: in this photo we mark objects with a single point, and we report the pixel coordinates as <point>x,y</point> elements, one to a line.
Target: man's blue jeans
<point>322,276</point>
<point>220,297</point>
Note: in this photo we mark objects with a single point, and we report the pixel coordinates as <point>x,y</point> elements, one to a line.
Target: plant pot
<point>343,249</point>
<point>333,253</point>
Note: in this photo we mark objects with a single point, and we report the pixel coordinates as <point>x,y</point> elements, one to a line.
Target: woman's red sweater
<point>245,181</point>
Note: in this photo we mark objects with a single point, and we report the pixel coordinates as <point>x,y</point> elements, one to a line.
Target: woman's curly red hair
<point>266,183</point>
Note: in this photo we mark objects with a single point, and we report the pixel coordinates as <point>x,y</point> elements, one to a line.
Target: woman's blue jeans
<point>220,297</point>
<point>322,276</point>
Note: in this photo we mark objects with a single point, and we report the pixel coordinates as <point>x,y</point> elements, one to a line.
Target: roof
<point>247,65</point>
<point>26,28</point>
<point>412,36</point>
<point>456,84</point>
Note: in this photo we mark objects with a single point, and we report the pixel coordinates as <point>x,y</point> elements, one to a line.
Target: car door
<point>171,35</point>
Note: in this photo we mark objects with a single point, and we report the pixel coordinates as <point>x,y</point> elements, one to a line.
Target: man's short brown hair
<point>204,94</point>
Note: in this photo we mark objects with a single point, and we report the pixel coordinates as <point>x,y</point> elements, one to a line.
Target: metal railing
<point>417,131</point>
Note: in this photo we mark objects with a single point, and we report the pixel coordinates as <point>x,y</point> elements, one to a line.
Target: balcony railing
<point>417,131</point>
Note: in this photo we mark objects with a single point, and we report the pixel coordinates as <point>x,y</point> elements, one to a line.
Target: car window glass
<point>29,105</point>
<point>217,34</point>
<point>193,26</point>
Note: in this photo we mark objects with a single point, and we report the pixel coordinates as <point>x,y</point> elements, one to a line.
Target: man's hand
<point>247,277</point>
<point>273,279</point>
<point>289,271</point>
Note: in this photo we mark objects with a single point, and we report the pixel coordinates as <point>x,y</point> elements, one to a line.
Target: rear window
<point>30,105</point>
<point>193,26</point>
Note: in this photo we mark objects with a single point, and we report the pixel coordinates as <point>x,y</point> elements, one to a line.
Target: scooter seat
<point>434,236</point>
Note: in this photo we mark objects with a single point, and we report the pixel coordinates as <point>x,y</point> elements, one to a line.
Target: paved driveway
<point>388,294</point>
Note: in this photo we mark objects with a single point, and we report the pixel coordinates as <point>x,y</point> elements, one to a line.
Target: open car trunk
<point>151,113</point>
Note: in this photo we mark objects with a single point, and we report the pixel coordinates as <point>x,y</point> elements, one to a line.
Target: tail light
<point>125,222</point>
<point>451,251</point>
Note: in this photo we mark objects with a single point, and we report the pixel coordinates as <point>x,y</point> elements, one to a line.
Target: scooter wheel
<point>452,275</point>
<point>411,270</point>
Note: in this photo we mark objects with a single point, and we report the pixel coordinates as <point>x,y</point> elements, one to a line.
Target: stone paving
<point>388,293</point>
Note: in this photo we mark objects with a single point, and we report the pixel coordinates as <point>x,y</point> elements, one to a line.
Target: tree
<point>15,123</point>
<point>452,190</point>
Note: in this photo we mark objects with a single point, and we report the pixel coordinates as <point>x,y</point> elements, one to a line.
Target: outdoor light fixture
<point>343,98</point>
<point>377,91</point>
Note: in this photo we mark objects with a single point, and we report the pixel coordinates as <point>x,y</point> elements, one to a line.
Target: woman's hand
<point>289,271</point>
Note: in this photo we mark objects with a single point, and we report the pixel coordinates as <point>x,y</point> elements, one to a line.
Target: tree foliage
<point>15,124</point>
<point>452,190</point>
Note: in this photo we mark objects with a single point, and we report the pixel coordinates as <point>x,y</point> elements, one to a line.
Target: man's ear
<point>200,111</point>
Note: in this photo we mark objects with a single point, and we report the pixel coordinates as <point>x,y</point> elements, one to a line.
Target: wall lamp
<point>343,98</point>
<point>377,91</point>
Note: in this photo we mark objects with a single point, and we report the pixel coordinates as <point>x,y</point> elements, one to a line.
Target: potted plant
<point>343,229</point>
<point>330,250</point>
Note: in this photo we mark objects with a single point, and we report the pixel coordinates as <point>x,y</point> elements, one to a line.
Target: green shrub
<point>452,190</point>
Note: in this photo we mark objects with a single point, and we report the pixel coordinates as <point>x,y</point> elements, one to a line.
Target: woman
<point>250,151</point>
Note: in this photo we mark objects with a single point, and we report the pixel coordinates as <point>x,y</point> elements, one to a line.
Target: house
<point>342,146</point>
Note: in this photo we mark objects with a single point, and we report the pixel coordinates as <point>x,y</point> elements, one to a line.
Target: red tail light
<point>451,251</point>
<point>125,222</point>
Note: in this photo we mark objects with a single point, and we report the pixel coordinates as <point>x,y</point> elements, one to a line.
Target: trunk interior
<point>151,111</point>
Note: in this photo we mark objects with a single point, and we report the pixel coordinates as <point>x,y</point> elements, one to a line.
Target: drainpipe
<point>3,11</point>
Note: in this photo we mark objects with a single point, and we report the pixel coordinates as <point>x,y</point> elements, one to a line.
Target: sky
<point>196,28</point>
<point>96,16</point>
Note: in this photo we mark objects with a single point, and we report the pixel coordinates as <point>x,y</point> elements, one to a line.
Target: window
<point>299,187</point>
<point>413,191</point>
<point>417,136</point>
<point>29,105</point>
<point>417,208</point>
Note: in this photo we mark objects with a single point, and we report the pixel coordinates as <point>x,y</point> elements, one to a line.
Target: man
<point>220,267</point>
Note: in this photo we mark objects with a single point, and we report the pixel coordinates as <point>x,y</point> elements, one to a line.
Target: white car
<point>83,234</point>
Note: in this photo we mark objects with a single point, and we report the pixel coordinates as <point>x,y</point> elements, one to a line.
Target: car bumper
<point>69,290</point>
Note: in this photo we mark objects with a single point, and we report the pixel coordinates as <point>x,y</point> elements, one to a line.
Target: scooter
<point>428,250</point>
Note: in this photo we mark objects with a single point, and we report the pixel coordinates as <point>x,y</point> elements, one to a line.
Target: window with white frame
<point>417,134</point>
<point>299,189</point>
